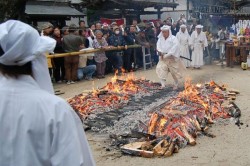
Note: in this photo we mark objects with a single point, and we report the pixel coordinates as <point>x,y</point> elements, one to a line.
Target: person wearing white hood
<point>198,43</point>
<point>168,49</point>
<point>184,40</point>
<point>37,128</point>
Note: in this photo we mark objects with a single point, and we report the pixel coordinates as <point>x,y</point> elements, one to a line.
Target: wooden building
<point>55,11</point>
<point>125,8</point>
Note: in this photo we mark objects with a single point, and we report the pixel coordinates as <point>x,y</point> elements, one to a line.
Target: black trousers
<point>59,69</point>
<point>127,59</point>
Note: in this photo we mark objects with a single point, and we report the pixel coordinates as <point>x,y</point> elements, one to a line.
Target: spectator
<point>128,54</point>
<point>151,37</point>
<point>175,28</point>
<point>98,26</point>
<point>168,22</point>
<point>183,18</point>
<point>59,70</point>
<point>72,43</point>
<point>82,24</point>
<point>158,27</point>
<point>47,29</point>
<point>84,69</point>
<point>100,57</point>
<point>113,24</point>
<point>135,23</point>
<point>91,36</point>
<point>141,40</point>
<point>215,47</point>
<point>117,40</point>
<point>85,41</point>
<point>106,31</point>
<point>192,26</point>
<point>65,30</point>
<point>222,33</point>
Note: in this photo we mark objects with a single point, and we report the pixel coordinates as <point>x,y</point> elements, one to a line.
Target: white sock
<point>163,83</point>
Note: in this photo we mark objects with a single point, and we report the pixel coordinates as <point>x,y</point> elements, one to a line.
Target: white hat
<point>22,44</point>
<point>199,26</point>
<point>165,28</point>
<point>183,26</point>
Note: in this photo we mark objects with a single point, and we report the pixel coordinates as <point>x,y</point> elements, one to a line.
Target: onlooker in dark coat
<point>128,54</point>
<point>141,40</point>
<point>117,40</point>
<point>59,69</point>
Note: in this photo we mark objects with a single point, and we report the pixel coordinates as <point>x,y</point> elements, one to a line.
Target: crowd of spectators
<point>73,38</point>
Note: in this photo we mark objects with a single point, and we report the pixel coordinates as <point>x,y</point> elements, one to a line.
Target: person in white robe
<point>198,44</point>
<point>37,128</point>
<point>168,49</point>
<point>184,40</point>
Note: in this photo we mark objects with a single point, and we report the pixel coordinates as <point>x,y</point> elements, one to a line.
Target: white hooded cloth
<point>170,62</point>
<point>22,44</point>
<point>37,128</point>
<point>184,40</point>
<point>198,43</point>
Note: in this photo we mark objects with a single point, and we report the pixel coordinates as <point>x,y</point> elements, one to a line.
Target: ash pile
<point>125,97</point>
<point>145,120</point>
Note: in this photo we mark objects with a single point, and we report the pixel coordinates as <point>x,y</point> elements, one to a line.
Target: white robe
<point>198,44</point>
<point>171,61</point>
<point>39,129</point>
<point>184,40</point>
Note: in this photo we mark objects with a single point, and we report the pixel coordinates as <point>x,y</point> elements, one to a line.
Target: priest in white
<point>37,128</point>
<point>168,49</point>
<point>198,44</point>
<point>184,40</point>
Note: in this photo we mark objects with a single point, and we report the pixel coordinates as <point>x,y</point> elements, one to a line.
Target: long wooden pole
<point>90,51</point>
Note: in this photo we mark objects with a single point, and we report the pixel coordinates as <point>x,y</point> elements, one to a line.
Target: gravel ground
<point>230,147</point>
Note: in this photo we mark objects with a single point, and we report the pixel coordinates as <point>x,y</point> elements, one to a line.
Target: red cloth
<point>109,21</point>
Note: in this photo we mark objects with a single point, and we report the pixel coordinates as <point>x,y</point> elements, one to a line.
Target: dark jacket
<point>72,43</point>
<point>130,39</point>
<point>150,35</point>
<point>116,40</point>
<point>141,40</point>
<point>58,48</point>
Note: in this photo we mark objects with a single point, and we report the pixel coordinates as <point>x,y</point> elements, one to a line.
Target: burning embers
<point>162,130</point>
<point>183,118</point>
<point>114,95</point>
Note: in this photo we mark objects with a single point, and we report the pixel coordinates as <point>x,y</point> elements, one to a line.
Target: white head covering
<point>183,26</point>
<point>186,31</point>
<point>199,26</point>
<point>165,28</point>
<point>22,44</point>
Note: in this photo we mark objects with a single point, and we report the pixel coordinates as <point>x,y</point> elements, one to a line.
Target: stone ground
<point>230,147</point>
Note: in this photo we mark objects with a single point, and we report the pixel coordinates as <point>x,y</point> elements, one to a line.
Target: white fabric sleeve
<point>158,46</point>
<point>175,49</point>
<point>69,145</point>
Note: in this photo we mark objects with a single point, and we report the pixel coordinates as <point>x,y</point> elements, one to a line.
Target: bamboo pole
<point>90,51</point>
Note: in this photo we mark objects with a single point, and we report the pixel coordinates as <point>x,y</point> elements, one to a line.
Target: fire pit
<point>145,120</point>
